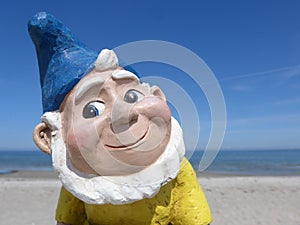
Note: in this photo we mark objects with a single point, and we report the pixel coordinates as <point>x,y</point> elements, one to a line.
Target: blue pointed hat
<point>63,60</point>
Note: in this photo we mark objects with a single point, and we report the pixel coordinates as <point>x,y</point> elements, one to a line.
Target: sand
<point>29,198</point>
<point>253,200</point>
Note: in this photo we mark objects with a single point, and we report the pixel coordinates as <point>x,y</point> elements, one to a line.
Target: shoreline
<point>28,174</point>
<point>50,174</point>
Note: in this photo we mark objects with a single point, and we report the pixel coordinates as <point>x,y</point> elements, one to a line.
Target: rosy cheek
<point>72,142</point>
<point>76,151</point>
<point>77,144</point>
<point>83,138</point>
<point>77,139</point>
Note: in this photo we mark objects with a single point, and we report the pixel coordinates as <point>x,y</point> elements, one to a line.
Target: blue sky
<point>253,48</point>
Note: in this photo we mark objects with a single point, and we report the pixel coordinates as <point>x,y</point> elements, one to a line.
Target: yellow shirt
<point>179,202</point>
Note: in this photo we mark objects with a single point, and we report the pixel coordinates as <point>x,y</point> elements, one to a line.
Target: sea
<point>256,163</point>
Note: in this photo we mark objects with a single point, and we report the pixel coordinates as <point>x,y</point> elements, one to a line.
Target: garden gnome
<point>114,144</point>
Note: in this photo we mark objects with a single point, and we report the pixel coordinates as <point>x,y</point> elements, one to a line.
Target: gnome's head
<point>99,120</point>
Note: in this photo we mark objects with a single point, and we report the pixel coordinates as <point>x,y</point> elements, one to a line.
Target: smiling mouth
<point>127,147</point>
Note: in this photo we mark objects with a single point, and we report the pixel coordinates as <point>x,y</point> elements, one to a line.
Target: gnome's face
<point>113,125</point>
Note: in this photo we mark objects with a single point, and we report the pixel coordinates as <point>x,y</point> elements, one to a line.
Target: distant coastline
<point>227,162</point>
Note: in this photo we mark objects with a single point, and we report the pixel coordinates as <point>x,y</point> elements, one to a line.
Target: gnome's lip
<point>130,146</point>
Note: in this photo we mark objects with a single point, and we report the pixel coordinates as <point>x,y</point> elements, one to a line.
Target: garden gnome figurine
<point>114,144</point>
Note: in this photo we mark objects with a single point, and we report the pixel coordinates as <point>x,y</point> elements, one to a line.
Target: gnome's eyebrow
<point>124,74</point>
<point>87,85</point>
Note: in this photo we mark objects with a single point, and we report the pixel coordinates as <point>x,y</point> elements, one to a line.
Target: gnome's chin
<point>115,190</point>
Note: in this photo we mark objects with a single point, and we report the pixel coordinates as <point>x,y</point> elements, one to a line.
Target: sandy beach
<point>29,198</point>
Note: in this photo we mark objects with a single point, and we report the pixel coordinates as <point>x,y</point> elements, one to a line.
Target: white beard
<point>115,189</point>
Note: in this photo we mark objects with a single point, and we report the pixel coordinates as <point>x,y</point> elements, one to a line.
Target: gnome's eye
<point>133,96</point>
<point>93,109</point>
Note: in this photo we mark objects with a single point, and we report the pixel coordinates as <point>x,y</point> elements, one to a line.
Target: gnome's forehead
<point>63,60</point>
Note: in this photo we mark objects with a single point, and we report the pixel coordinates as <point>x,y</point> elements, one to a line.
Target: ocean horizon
<point>227,162</point>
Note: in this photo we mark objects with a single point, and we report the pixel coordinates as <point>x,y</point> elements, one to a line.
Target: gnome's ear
<point>157,92</point>
<point>42,137</point>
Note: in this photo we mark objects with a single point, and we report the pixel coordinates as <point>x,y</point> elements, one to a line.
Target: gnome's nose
<point>122,120</point>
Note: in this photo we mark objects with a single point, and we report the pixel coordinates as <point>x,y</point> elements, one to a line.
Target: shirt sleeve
<point>70,210</point>
<point>191,206</point>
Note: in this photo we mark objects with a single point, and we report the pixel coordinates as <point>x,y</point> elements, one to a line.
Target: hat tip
<point>42,15</point>
<point>41,19</point>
